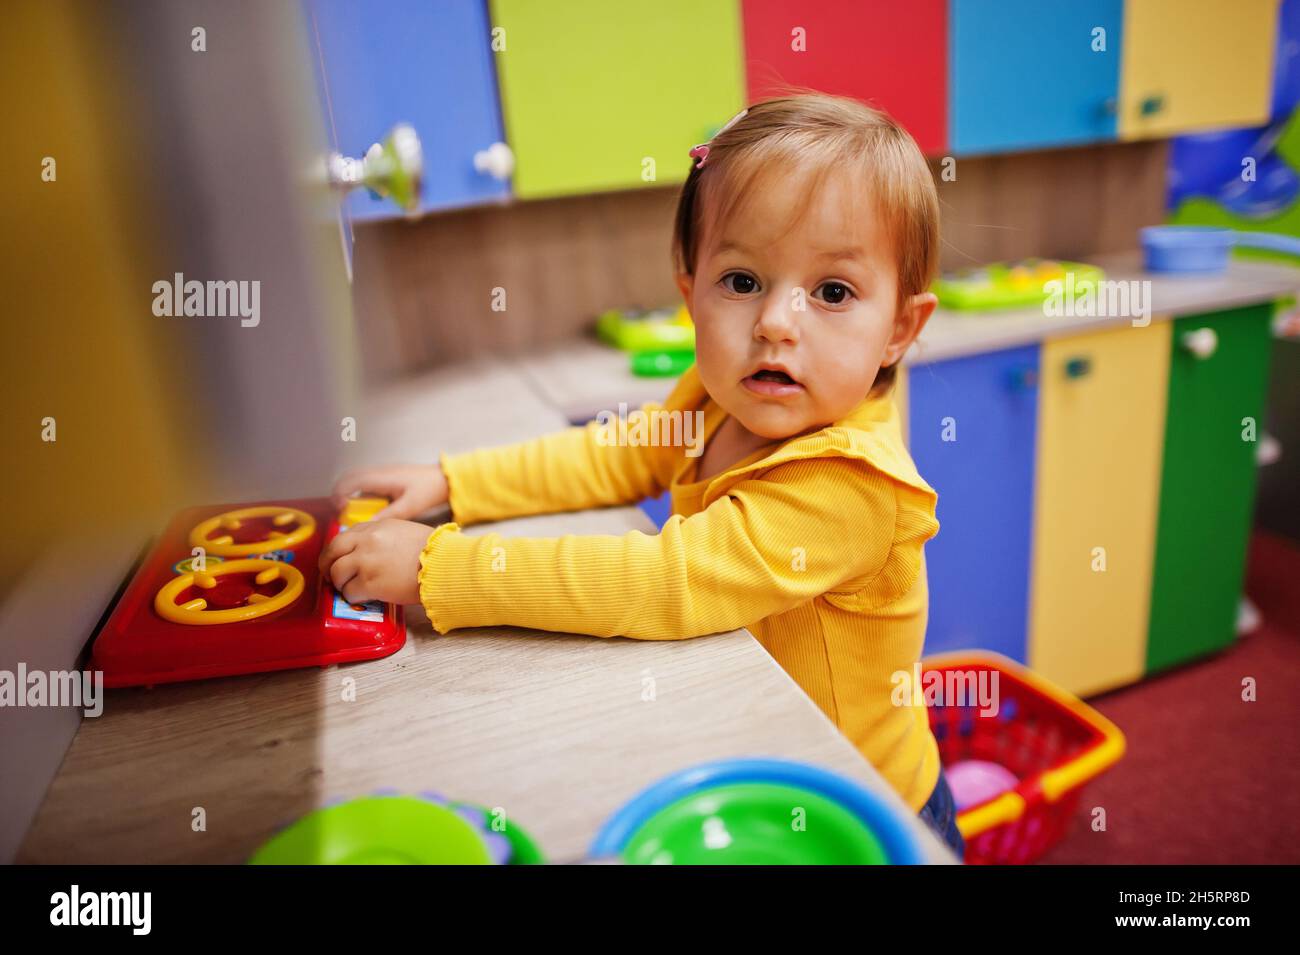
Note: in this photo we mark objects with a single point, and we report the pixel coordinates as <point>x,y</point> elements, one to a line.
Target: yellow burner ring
<point>257,605</point>
<point>225,546</point>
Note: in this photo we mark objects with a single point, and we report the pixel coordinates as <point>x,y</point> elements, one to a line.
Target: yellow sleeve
<point>570,470</point>
<point>773,543</point>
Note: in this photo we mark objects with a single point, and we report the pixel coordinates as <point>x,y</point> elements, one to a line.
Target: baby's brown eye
<point>833,293</point>
<point>739,282</point>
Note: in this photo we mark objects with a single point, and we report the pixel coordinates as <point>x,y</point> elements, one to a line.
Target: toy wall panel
<point>427,64</point>
<point>594,91</point>
<point>1196,64</point>
<point>891,55</point>
<point>1207,489</point>
<point>972,424</point>
<point>1025,74</point>
<point>1101,423</point>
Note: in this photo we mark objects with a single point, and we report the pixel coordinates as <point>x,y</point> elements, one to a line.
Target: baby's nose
<point>779,319</point>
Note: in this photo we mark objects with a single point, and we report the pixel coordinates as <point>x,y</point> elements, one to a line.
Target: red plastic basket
<point>1052,741</point>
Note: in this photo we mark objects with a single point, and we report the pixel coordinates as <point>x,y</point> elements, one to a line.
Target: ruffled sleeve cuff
<point>429,575</point>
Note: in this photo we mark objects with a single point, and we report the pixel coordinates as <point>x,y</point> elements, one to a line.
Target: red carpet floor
<point>1208,778</point>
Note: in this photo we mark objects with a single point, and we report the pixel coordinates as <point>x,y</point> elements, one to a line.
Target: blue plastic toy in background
<point>1203,250</point>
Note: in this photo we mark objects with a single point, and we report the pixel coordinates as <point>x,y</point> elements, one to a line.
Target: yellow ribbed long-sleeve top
<point>816,547</point>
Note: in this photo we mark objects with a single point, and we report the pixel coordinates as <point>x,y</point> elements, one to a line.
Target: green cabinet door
<point>1218,376</point>
<point>599,95</point>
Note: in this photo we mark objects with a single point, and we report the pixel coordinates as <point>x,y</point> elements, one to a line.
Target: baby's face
<point>792,324</point>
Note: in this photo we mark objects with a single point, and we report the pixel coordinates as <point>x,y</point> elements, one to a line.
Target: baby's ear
<point>685,283</point>
<point>911,318</point>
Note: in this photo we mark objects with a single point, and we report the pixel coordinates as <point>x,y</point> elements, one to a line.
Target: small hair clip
<point>701,152</point>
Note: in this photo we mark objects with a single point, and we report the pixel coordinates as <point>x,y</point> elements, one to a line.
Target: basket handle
<point>1008,807</point>
<point>1057,782</point>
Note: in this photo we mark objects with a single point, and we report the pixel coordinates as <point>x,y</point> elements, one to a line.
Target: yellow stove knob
<point>257,605</point>
<point>223,545</point>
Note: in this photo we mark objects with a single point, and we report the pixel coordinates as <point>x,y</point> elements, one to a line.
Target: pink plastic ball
<point>975,780</point>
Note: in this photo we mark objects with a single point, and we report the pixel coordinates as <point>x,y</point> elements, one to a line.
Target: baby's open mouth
<point>771,382</point>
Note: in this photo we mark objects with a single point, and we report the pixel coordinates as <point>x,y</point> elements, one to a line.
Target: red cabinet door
<point>891,54</point>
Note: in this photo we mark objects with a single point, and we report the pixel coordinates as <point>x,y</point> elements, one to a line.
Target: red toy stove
<point>229,590</point>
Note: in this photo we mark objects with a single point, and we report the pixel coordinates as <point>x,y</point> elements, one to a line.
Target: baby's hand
<point>412,488</point>
<point>377,560</point>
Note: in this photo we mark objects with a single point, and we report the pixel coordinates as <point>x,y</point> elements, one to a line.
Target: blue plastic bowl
<point>1204,250</point>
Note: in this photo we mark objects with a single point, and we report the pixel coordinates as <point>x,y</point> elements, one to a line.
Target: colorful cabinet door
<point>972,424</point>
<point>427,64</point>
<point>1027,74</point>
<point>1195,64</point>
<point>1101,427</point>
<point>601,95</point>
<point>1207,487</point>
<point>891,55</point>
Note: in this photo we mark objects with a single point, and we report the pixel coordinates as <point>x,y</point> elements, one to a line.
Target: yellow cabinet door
<point>1195,64</point>
<point>1101,424</point>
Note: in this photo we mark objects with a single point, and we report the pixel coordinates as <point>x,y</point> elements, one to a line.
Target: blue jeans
<point>940,814</point>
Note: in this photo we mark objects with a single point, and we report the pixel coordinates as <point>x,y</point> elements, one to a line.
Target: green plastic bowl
<point>754,824</point>
<point>377,830</point>
<point>523,849</point>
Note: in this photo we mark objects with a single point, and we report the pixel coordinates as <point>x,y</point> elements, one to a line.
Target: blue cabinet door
<point>972,424</point>
<point>427,64</point>
<point>1023,74</point>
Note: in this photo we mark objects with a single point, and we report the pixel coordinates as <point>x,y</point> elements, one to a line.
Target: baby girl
<point>806,238</point>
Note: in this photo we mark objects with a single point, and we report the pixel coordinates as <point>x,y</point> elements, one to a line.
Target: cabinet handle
<point>497,161</point>
<point>1022,379</point>
<point>1268,451</point>
<point>393,169</point>
<point>1152,104</point>
<point>1203,342</point>
<point>1078,367</point>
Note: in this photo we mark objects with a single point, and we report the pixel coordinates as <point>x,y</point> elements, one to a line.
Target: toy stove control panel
<point>235,589</point>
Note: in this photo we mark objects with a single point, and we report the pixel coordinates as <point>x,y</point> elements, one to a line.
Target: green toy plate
<point>754,824</point>
<point>1017,284</point>
<point>637,331</point>
<point>377,830</point>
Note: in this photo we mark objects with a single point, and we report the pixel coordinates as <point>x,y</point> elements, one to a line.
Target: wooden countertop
<point>955,334</point>
<point>553,729</point>
<point>582,377</point>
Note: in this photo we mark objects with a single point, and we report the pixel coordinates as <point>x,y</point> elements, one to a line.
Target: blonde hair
<point>818,133</point>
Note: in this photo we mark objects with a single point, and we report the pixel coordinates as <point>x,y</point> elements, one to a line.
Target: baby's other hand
<point>377,560</point>
<point>413,489</point>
